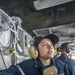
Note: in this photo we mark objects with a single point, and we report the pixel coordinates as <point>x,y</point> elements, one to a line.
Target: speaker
<point>50,70</point>
<point>67,49</point>
<point>33,52</point>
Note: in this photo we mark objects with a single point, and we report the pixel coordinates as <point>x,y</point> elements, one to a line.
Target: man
<point>65,50</point>
<point>43,64</point>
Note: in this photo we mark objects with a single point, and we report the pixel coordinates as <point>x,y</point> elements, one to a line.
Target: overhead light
<point>42,31</point>
<point>42,4</point>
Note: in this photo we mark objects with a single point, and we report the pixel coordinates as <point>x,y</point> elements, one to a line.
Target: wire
<point>3,59</point>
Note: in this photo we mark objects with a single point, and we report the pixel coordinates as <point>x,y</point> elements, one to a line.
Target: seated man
<point>65,50</point>
<point>43,63</point>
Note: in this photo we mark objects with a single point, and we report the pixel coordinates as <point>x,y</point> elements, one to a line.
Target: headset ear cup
<point>33,52</point>
<point>68,50</point>
<point>52,70</point>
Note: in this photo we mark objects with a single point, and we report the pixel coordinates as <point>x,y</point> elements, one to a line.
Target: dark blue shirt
<point>68,61</point>
<point>34,67</point>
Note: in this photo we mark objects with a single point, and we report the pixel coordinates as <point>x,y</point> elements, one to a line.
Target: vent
<point>44,31</point>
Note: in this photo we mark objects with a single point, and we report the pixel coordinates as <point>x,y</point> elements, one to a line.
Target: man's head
<point>45,45</point>
<point>65,47</point>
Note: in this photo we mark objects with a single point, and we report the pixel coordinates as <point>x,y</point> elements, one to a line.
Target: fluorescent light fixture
<point>42,4</point>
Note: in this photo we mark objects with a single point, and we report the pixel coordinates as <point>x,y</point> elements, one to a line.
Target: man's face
<point>46,48</point>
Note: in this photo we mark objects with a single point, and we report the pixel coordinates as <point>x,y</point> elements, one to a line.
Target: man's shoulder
<point>71,61</point>
<point>27,61</point>
<point>57,61</point>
